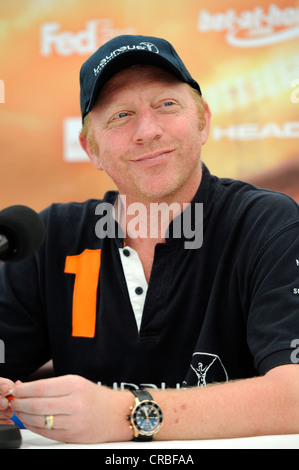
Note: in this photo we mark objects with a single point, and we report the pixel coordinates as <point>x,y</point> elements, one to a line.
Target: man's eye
<point>121,115</point>
<point>117,118</point>
<point>168,103</point>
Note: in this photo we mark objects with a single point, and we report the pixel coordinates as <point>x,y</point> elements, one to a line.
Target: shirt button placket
<point>139,290</point>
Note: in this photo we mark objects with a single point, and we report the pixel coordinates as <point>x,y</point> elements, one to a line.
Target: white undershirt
<point>135,278</point>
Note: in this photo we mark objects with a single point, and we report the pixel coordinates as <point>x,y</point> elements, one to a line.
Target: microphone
<point>22,232</point>
<point>10,436</point>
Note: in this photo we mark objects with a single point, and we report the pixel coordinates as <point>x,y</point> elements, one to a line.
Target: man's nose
<point>147,127</point>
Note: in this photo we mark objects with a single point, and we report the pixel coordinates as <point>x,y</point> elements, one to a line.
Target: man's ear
<point>94,158</point>
<point>206,130</point>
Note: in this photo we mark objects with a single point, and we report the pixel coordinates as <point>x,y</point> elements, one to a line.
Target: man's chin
<point>157,191</point>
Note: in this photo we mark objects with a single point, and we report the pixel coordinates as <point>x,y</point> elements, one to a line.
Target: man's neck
<point>148,220</point>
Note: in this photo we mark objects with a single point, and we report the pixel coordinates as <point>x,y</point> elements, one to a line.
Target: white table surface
<point>34,441</point>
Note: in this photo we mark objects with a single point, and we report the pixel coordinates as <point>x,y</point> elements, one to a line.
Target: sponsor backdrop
<point>244,54</point>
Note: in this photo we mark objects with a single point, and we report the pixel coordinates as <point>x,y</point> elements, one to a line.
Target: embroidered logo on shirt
<point>205,368</point>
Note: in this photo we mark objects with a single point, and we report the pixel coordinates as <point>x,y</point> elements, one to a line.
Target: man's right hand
<point>6,412</point>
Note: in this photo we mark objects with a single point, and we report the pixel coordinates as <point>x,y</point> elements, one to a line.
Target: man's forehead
<point>132,76</point>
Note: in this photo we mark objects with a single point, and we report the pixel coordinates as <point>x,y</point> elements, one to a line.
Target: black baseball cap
<point>124,51</point>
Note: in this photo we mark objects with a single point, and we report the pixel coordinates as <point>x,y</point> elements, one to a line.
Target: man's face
<point>146,126</point>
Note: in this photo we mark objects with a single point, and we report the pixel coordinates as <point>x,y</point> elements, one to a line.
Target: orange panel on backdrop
<point>244,55</point>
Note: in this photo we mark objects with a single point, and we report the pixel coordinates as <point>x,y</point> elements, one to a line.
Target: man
<point>179,288</point>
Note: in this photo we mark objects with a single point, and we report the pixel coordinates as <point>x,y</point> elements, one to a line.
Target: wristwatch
<point>146,416</point>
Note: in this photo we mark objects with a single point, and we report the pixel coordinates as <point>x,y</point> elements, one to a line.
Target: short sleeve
<point>273,320</point>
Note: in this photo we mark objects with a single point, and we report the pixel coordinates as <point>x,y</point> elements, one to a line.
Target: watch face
<point>147,417</point>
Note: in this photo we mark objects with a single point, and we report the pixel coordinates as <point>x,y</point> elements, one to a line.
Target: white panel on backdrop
<point>72,150</point>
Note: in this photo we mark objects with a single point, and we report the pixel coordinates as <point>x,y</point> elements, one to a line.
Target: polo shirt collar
<point>197,211</point>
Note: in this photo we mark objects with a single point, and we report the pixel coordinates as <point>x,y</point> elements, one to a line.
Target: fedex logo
<point>86,41</point>
<point>67,43</point>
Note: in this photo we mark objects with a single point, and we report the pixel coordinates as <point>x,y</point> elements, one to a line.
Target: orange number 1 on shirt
<point>86,267</point>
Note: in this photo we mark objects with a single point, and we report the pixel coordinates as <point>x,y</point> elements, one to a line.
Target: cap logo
<point>121,50</point>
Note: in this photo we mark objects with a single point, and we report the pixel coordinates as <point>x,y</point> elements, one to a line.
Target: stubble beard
<point>159,185</point>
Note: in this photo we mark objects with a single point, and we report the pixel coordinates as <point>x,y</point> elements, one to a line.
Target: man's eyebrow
<point>113,108</point>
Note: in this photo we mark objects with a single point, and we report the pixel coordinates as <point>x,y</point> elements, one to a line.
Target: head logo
<point>254,28</point>
<point>205,368</point>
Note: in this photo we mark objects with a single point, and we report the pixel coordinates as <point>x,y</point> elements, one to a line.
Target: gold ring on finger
<point>49,422</point>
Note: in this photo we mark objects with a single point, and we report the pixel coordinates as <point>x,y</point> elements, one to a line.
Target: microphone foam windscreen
<point>24,229</point>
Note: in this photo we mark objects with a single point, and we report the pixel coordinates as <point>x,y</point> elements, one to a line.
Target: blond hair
<point>88,134</point>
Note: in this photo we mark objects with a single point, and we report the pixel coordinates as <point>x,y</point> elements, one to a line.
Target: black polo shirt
<point>226,310</point>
